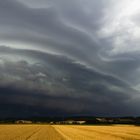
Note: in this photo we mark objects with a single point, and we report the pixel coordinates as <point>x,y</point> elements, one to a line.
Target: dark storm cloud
<point>67,56</point>
<point>54,79</point>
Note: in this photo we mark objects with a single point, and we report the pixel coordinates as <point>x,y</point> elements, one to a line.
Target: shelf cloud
<point>61,57</point>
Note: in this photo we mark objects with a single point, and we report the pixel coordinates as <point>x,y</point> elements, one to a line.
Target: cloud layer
<point>69,57</point>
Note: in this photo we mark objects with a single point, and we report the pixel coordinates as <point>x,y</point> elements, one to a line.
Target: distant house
<point>51,122</point>
<point>72,122</point>
<point>23,122</point>
<point>101,120</point>
<point>81,122</point>
<point>125,120</point>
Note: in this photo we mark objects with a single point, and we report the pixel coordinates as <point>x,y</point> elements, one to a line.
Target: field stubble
<point>69,132</point>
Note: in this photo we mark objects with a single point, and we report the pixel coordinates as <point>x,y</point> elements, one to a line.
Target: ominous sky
<point>69,57</point>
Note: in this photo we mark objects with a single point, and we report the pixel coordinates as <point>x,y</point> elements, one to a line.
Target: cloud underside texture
<point>57,58</point>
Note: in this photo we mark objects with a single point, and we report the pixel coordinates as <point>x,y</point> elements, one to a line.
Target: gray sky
<point>65,57</point>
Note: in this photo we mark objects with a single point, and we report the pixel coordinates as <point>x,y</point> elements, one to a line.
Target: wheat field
<point>69,132</point>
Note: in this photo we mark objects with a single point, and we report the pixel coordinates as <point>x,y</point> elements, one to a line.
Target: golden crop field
<point>68,132</point>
